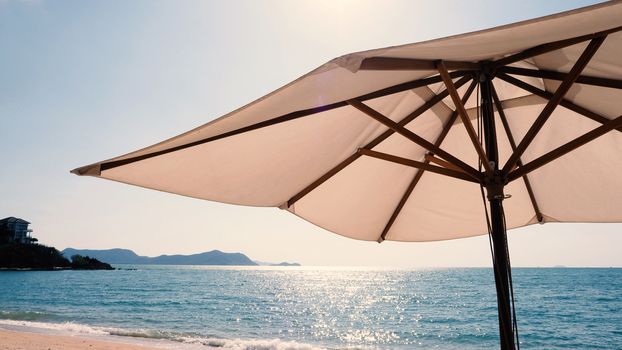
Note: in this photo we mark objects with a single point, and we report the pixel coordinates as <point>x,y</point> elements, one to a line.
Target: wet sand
<point>12,340</point>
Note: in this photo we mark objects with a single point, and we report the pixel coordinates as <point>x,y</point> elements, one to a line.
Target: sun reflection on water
<point>334,308</point>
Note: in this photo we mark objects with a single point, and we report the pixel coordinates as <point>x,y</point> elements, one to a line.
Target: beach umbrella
<point>450,138</point>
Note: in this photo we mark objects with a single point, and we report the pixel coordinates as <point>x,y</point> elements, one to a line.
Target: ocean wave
<point>65,327</point>
<point>208,342</point>
<point>25,315</point>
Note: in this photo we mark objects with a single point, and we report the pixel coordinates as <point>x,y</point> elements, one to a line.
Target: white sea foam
<point>176,340</point>
<point>253,344</point>
<point>65,327</point>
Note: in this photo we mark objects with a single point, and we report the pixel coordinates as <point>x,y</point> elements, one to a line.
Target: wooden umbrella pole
<point>494,188</point>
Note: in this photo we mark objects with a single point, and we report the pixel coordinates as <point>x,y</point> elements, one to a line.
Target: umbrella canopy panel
<point>373,146</point>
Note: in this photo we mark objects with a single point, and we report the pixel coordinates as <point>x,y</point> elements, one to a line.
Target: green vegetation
<point>40,257</point>
<point>33,256</point>
<point>80,262</point>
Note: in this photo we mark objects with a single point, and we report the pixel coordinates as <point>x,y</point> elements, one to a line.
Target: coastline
<point>11,340</point>
<point>35,335</point>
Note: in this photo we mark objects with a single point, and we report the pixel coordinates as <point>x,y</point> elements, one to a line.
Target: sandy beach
<point>12,340</point>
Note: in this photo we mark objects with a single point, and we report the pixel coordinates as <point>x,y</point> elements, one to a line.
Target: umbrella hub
<point>494,188</point>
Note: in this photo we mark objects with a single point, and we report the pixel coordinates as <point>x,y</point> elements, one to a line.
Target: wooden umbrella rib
<point>420,172</point>
<point>287,117</point>
<point>415,138</point>
<point>415,164</point>
<point>552,75</point>
<point>554,101</point>
<point>430,158</point>
<point>411,85</point>
<point>552,46</point>
<point>343,164</point>
<point>453,92</point>
<point>419,111</point>
<point>260,125</point>
<point>508,132</point>
<point>395,63</point>
<point>566,148</point>
<point>400,205</point>
<point>547,95</point>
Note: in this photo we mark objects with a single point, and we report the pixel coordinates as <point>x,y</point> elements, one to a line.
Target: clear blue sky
<point>82,81</point>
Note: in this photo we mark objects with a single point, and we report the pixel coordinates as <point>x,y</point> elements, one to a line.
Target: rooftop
<point>12,219</point>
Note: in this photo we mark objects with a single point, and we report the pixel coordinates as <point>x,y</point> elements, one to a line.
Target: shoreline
<point>37,335</point>
<point>51,269</point>
<point>24,340</point>
<point>34,335</point>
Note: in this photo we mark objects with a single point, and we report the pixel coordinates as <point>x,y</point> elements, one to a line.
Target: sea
<point>291,308</point>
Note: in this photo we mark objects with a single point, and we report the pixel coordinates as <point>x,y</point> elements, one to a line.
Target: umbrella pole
<point>501,269</point>
<point>494,188</point>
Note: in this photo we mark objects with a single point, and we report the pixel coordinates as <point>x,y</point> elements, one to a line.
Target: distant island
<point>126,256</point>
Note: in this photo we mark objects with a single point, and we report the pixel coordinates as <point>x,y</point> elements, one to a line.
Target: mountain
<point>111,256</point>
<point>126,256</point>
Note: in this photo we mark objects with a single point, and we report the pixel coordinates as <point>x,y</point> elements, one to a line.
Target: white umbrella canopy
<point>281,149</point>
<point>398,143</point>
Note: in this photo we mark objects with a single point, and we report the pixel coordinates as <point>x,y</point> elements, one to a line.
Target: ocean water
<point>317,308</point>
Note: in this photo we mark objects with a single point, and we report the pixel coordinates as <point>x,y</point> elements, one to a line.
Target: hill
<point>40,257</point>
<point>126,256</point>
<point>31,256</point>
